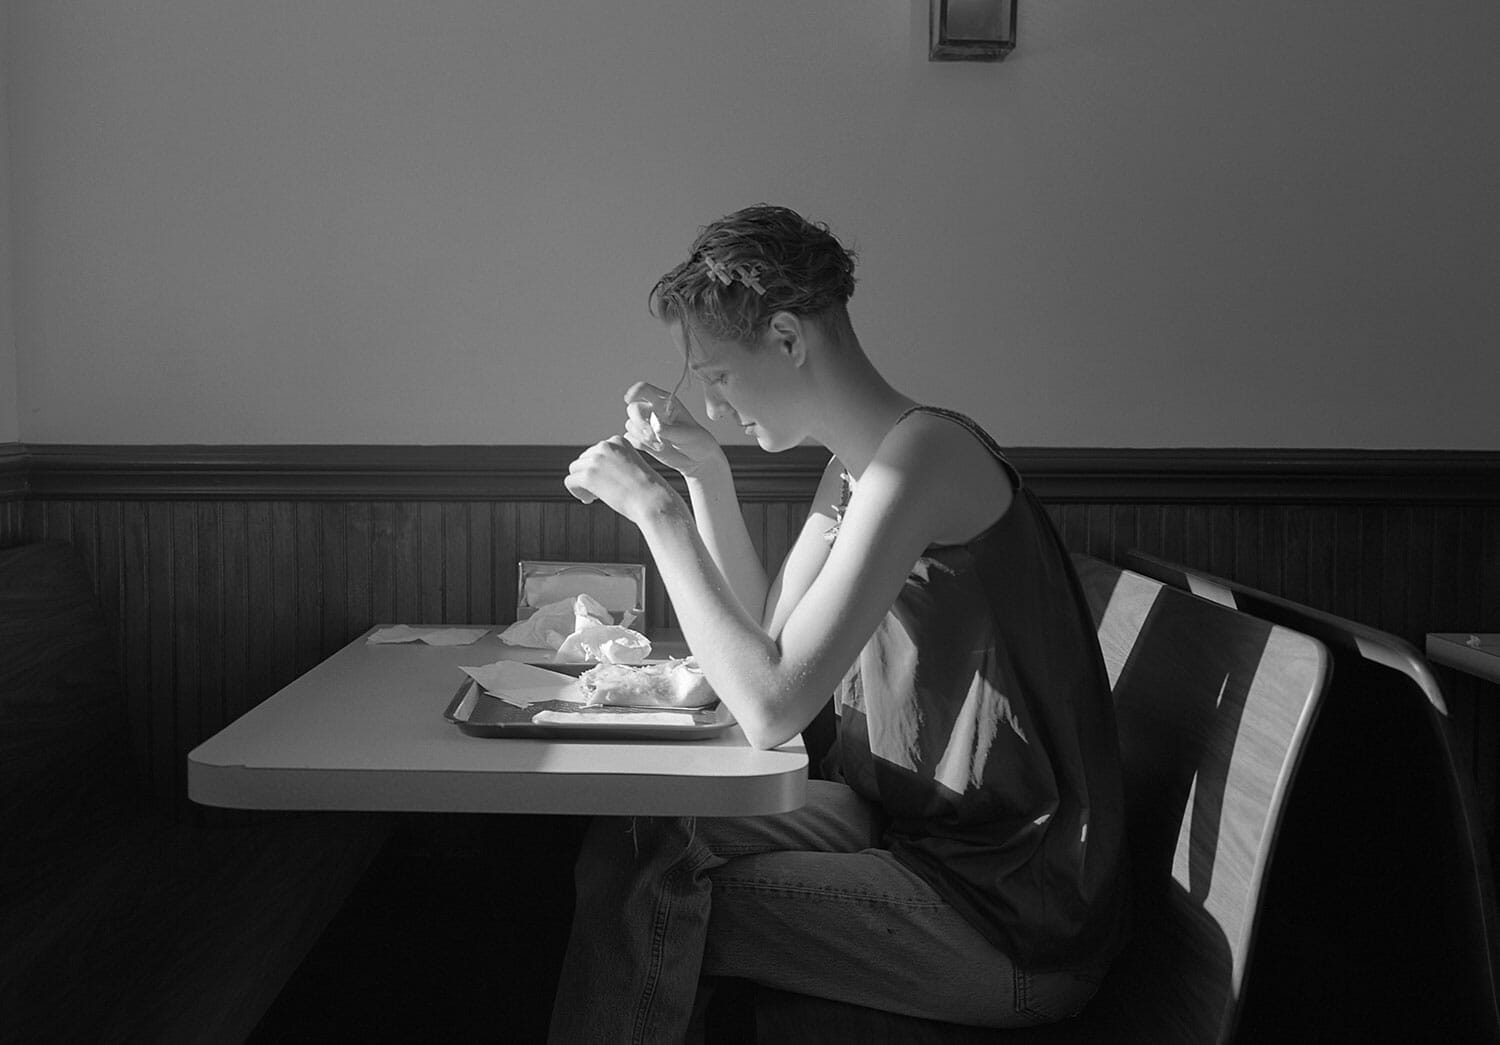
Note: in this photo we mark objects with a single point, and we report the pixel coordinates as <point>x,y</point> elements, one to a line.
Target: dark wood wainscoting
<point>230,570</point>
<point>12,492</point>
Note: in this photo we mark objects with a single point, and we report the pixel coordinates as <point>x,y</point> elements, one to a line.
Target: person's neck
<point>855,422</point>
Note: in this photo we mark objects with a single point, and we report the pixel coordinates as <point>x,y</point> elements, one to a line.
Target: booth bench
<point>119,922</point>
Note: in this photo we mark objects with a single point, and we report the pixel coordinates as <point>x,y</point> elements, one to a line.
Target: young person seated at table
<point>965,860</point>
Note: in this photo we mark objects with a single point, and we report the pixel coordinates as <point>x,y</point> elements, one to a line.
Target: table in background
<point>365,730</point>
<point>1454,650</point>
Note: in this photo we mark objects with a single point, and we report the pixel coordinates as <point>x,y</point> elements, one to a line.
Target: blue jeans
<point>804,901</point>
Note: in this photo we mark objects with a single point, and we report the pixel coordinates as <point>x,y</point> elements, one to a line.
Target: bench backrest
<point>1392,819</point>
<point>1214,708</point>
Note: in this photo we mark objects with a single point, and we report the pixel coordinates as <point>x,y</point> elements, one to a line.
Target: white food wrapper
<point>580,629</point>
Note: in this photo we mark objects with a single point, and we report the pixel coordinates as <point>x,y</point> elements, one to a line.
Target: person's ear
<point>788,336</point>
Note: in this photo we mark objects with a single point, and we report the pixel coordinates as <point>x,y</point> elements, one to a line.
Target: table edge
<point>456,791</point>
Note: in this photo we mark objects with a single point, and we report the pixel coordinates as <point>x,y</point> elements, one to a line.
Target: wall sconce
<point>971,30</point>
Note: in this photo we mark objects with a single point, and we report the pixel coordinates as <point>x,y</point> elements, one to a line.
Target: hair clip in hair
<point>718,270</point>
<point>749,275</point>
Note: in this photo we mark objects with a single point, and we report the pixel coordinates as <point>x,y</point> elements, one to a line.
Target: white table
<point>1455,649</point>
<point>365,730</point>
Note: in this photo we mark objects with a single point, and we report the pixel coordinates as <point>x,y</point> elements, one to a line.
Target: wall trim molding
<point>66,471</point>
<point>13,469</point>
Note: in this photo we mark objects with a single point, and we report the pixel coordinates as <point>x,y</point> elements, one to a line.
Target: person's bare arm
<point>919,487</point>
<point>721,525</point>
<point>659,424</point>
<point>807,554</point>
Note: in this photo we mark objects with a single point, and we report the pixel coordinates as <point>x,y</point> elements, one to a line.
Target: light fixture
<point>971,30</point>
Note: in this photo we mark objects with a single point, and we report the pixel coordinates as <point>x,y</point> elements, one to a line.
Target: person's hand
<point>614,473</point>
<point>657,423</point>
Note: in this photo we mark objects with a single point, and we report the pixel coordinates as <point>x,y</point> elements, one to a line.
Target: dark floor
<point>455,935</point>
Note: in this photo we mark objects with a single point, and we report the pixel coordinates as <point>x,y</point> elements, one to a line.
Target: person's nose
<point>715,405</point>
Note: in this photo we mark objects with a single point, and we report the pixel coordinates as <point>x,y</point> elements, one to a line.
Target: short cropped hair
<point>745,267</point>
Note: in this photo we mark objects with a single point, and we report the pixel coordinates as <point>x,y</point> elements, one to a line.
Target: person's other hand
<point>612,472</point>
<point>657,423</point>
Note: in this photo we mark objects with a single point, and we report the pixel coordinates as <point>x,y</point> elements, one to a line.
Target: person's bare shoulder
<point>963,487</point>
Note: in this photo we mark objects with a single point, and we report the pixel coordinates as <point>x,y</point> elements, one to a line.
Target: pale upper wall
<point>1167,223</point>
<point>10,423</point>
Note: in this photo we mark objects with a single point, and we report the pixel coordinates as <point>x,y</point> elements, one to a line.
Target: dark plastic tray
<point>478,714</point>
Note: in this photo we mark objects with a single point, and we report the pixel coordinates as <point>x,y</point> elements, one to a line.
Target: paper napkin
<point>431,636</point>
<point>523,685</point>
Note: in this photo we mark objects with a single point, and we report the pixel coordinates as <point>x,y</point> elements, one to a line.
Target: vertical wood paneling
<point>1100,530</point>
<point>1149,526</point>
<point>12,522</point>
<point>1346,550</point>
<point>260,602</point>
<point>1417,562</point>
<point>359,545</point>
<point>554,533</point>
<point>161,680</point>
<point>577,531</point>
<point>1196,541</point>
<point>1476,579</point>
<point>333,577</point>
<point>1124,528</point>
<point>503,559</point>
<point>284,585</point>
<point>109,566</point>
<point>1172,534</point>
<point>1222,531</point>
<point>529,523</point>
<point>430,577</point>
<point>1322,564</point>
<point>1489,568</point>
<point>1296,567</point>
<point>237,623</point>
<point>404,564</point>
<point>137,622</point>
<point>204,684</point>
<point>218,604</point>
<point>184,641</point>
<point>454,573</point>
<point>481,563</point>
<point>382,559</point>
<point>307,583</point>
<point>1271,558</point>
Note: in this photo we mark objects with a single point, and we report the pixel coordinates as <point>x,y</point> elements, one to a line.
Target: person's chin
<point>769,443</point>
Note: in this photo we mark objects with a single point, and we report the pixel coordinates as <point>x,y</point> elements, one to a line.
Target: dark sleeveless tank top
<point>979,717</point>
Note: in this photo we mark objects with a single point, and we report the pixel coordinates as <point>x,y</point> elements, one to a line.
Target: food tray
<point>478,714</point>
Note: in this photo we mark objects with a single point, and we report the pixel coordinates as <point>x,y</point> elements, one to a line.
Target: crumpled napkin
<point>605,643</point>
<point>431,636</point>
<point>580,629</point>
<point>551,624</point>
